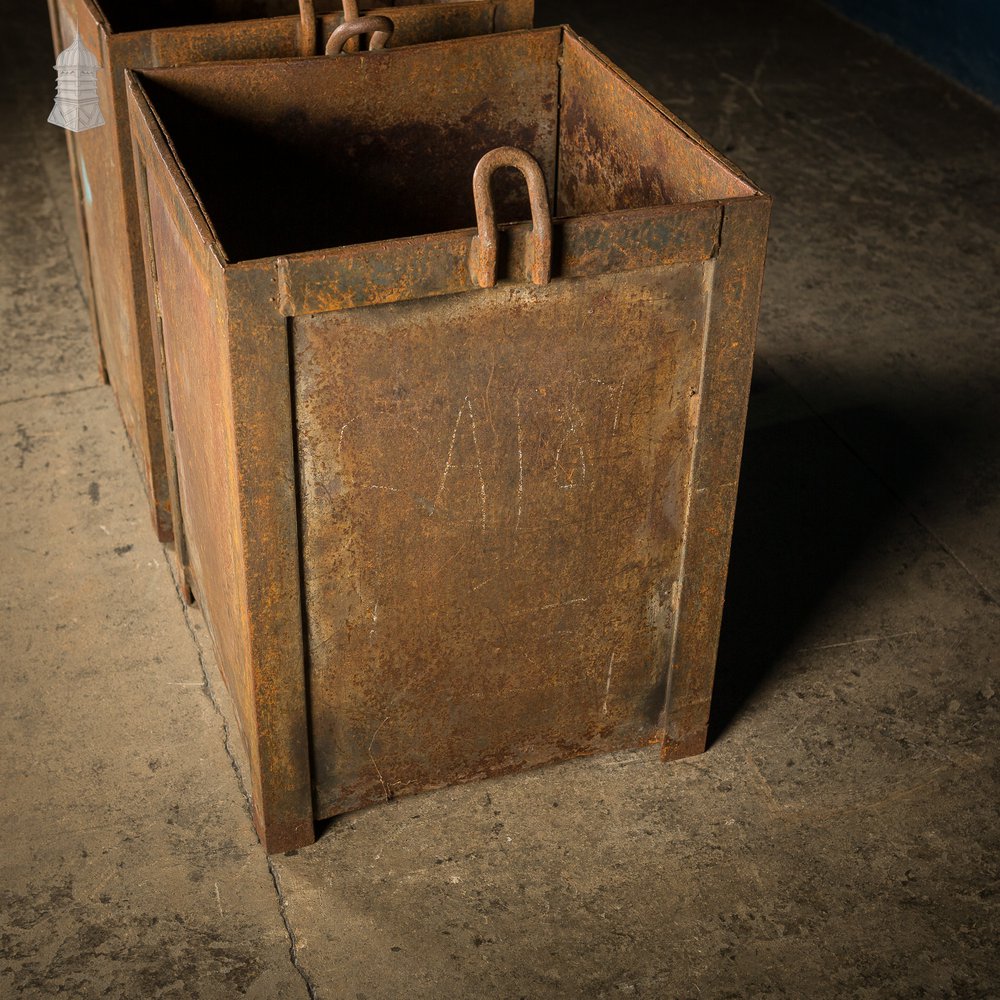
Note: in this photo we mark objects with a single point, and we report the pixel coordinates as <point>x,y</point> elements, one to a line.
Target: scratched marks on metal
<point>493,490</point>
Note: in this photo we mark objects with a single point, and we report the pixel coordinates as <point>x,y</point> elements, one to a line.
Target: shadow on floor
<point>808,510</point>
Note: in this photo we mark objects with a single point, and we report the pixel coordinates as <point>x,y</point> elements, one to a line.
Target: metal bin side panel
<point>617,151</point>
<point>186,281</point>
<point>493,489</point>
<point>113,270</point>
<point>193,321</point>
<point>278,37</point>
<point>514,15</point>
<point>731,334</point>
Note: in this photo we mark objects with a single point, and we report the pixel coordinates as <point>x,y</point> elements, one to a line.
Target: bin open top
<point>295,155</point>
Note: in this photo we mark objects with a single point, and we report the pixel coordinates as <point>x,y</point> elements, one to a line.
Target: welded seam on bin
<point>97,14</point>
<point>258,648</point>
<point>285,304</point>
<point>559,107</point>
<point>159,355</point>
<point>303,596</point>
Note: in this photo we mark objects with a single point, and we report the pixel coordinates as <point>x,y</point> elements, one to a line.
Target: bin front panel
<point>493,492</point>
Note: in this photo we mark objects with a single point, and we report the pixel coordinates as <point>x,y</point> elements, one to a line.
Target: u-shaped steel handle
<point>308,25</point>
<point>380,28</point>
<point>484,246</point>
<point>307,28</point>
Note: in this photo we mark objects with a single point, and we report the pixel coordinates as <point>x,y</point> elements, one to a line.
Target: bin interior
<point>128,15</point>
<point>296,155</point>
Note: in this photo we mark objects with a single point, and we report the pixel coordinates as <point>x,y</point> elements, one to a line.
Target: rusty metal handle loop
<point>351,13</point>
<point>484,247</point>
<point>380,28</point>
<point>307,27</point>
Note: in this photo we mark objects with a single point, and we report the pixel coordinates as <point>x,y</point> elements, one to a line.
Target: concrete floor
<point>840,837</point>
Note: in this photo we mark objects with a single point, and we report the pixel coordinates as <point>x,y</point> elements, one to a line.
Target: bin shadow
<point>808,510</point>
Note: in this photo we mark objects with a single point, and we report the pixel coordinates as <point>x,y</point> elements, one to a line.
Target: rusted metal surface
<point>470,478</point>
<point>493,489</point>
<point>612,151</point>
<point>734,299</point>
<point>349,277</point>
<point>123,34</point>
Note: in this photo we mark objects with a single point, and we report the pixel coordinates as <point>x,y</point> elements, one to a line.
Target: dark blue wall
<point>960,37</point>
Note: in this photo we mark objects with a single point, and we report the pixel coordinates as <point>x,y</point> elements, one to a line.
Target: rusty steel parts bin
<point>132,34</point>
<point>455,487</point>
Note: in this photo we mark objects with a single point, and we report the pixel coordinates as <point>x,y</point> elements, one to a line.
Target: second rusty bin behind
<point>138,34</point>
<point>455,497</point>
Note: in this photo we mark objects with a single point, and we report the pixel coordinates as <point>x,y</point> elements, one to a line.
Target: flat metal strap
<point>424,266</point>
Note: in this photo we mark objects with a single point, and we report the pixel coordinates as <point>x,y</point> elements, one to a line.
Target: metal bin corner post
<point>722,406</point>
<point>456,488</point>
<point>266,497</point>
<point>240,479</point>
<point>122,35</point>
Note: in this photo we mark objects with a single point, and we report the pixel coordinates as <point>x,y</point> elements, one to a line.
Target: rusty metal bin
<point>129,34</point>
<point>455,497</point>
